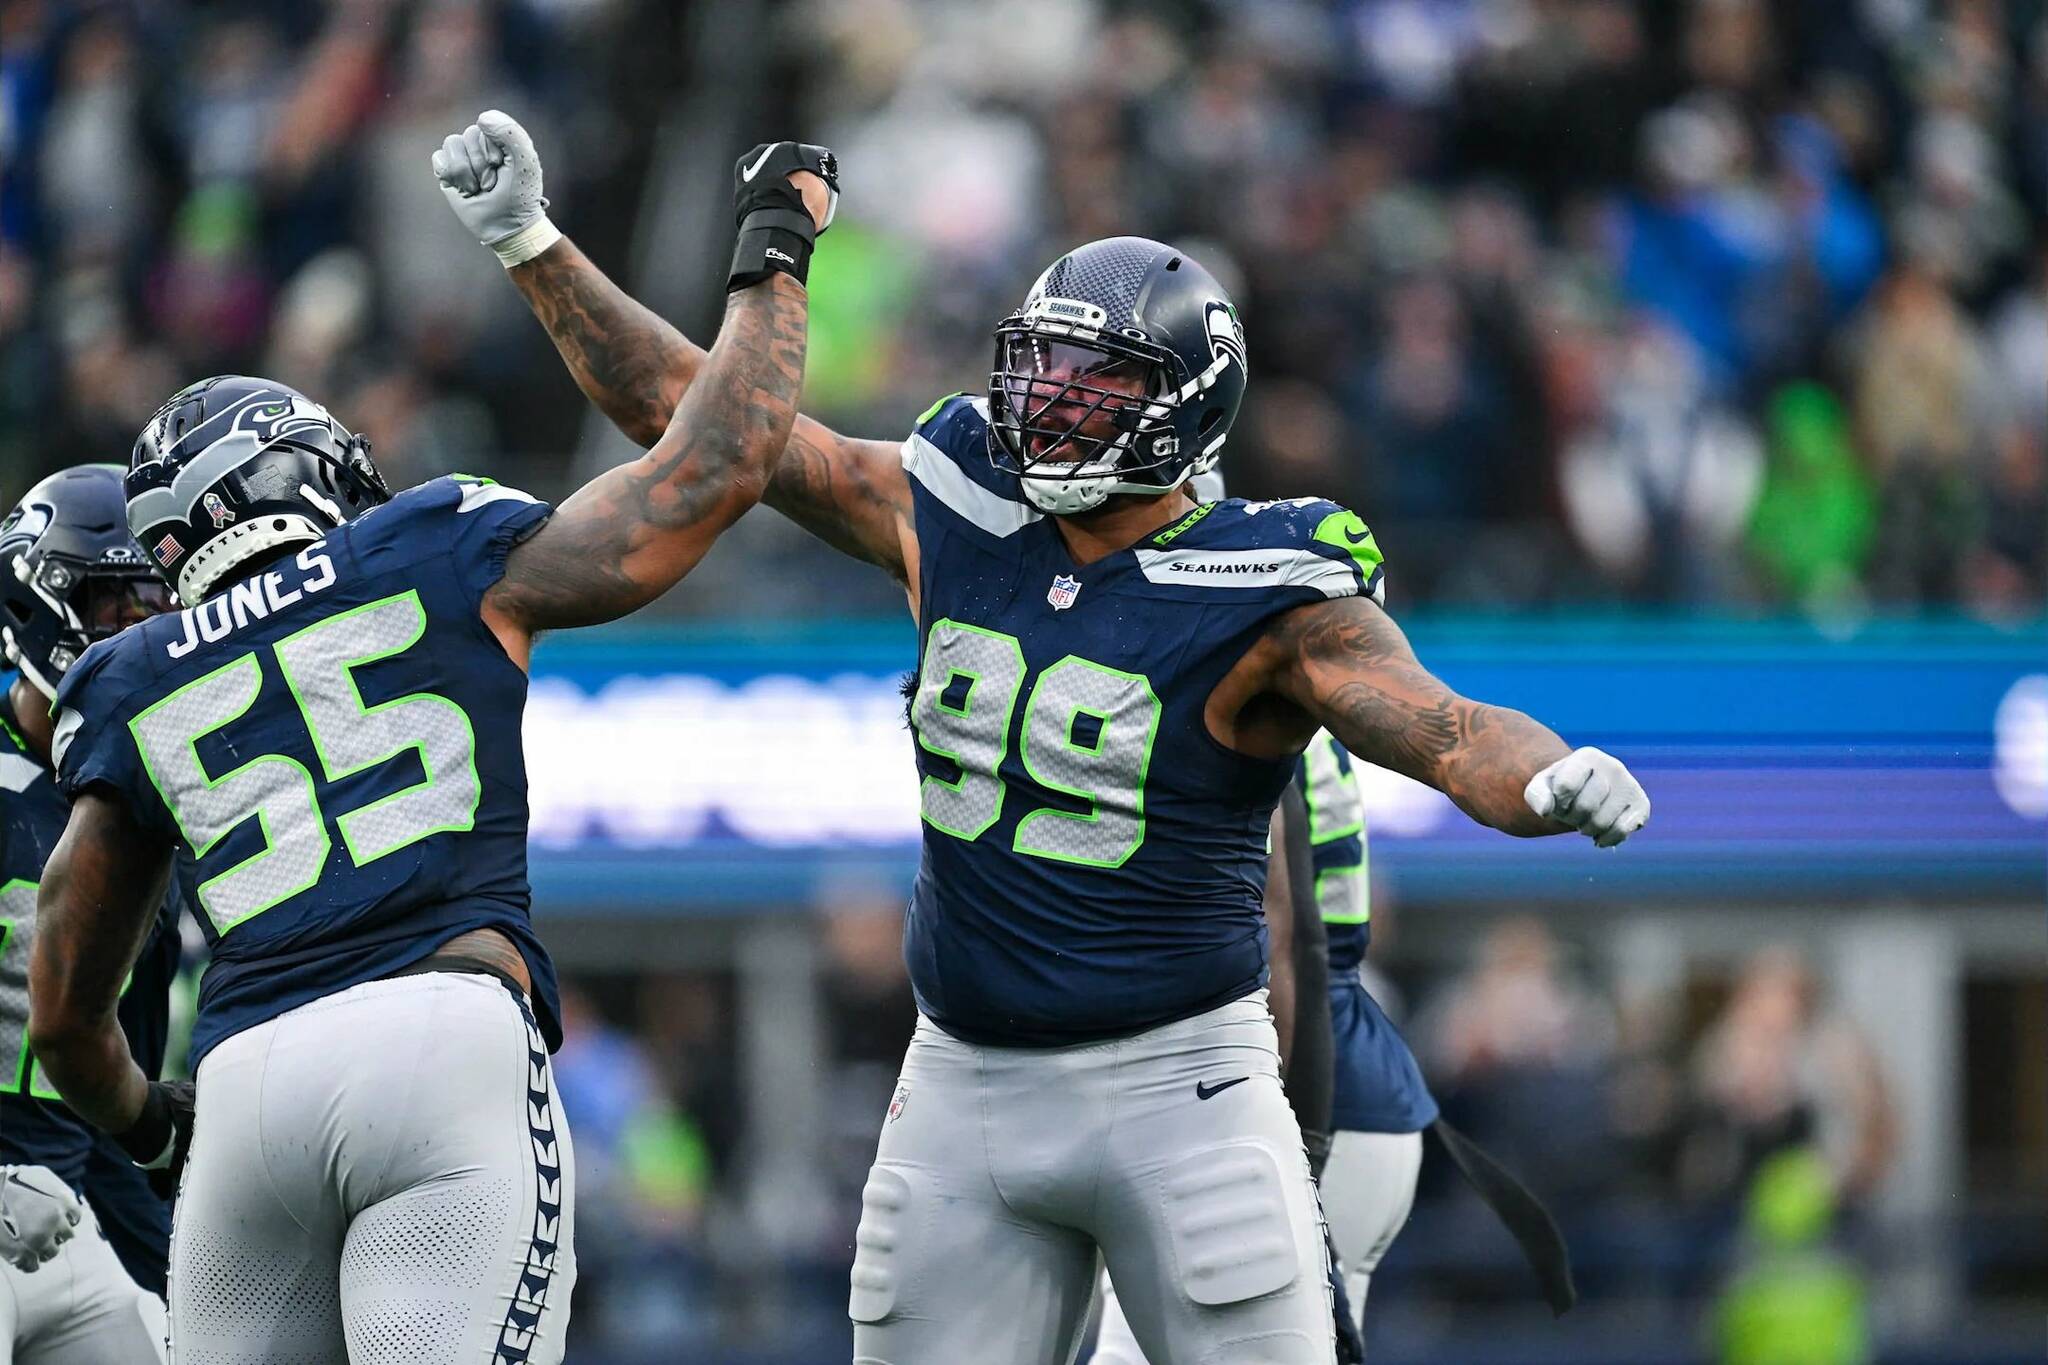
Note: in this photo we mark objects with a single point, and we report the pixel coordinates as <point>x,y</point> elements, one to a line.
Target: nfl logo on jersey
<point>1065,588</point>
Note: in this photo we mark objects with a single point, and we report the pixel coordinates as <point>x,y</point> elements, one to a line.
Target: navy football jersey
<point>336,743</point>
<point>36,1128</point>
<point>1093,859</point>
<point>1379,1088</point>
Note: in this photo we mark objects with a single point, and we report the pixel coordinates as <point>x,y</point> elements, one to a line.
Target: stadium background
<point>1690,360</point>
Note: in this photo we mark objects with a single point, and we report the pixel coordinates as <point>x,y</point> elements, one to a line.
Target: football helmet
<point>1121,373</point>
<point>69,573</point>
<point>233,468</point>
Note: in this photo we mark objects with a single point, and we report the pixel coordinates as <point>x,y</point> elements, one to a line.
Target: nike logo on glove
<point>749,172</point>
<point>1203,1090</point>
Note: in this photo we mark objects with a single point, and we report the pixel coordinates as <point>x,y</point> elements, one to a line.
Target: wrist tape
<point>522,246</point>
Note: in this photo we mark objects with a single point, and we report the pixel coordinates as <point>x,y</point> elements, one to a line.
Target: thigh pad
<point>887,1218</point>
<point>1231,1223</point>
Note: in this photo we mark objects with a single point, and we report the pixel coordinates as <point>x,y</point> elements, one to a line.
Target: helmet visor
<point>112,602</point>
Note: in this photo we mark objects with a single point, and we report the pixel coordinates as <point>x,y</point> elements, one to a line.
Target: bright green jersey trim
<point>933,410</point>
<point>1348,532</point>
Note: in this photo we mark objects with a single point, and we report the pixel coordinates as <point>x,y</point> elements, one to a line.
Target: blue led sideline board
<point>710,770</point>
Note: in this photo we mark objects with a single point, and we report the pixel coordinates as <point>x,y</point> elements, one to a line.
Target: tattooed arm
<point>635,368</point>
<point>1349,666</point>
<point>631,533</point>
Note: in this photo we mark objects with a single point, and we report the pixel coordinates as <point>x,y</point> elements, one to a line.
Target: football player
<point>1114,685</point>
<point>71,575</point>
<point>377,1169</point>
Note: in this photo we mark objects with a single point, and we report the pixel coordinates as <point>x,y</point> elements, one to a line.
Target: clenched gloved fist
<point>38,1214</point>
<point>490,175</point>
<point>777,226</point>
<point>1593,793</point>
<point>161,1136</point>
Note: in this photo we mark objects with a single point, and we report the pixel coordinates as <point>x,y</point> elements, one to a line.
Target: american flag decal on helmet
<point>167,551</point>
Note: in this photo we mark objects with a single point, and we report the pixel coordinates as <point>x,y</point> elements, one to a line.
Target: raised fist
<point>490,175</point>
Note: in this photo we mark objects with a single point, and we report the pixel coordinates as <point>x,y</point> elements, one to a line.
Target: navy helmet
<point>1122,373</point>
<point>232,469</point>
<point>69,573</point>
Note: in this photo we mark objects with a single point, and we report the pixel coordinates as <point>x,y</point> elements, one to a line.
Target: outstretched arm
<point>630,534</point>
<point>99,894</point>
<point>635,367</point>
<point>1349,666</point>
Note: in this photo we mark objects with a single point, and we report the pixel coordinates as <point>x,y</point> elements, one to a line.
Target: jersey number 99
<point>1087,734</point>
<point>318,665</point>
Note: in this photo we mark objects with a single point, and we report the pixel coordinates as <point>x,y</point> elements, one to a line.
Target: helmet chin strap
<point>18,656</point>
<point>325,504</point>
<point>1065,497</point>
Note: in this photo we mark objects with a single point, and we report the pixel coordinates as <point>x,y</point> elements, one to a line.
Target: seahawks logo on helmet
<point>233,469</point>
<point>28,522</point>
<point>69,575</point>
<point>1226,334</point>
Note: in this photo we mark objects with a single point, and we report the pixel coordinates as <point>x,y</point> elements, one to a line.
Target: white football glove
<point>490,175</point>
<point>38,1214</point>
<point>1593,793</point>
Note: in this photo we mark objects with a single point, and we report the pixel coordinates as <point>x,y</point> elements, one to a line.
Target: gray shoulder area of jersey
<point>482,493</point>
<point>942,476</point>
<point>19,772</point>
<point>1275,566</point>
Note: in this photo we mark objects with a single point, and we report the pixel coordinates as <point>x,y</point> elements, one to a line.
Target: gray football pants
<point>80,1308</point>
<point>1002,1171</point>
<point>380,1176</point>
<point>1368,1190</point>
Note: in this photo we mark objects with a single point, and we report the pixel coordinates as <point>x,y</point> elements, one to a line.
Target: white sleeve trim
<point>946,481</point>
<point>1281,567</point>
<point>68,723</point>
<point>475,495</point>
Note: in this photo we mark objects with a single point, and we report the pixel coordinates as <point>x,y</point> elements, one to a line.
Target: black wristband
<point>776,231</point>
<point>775,235</point>
<point>148,1140</point>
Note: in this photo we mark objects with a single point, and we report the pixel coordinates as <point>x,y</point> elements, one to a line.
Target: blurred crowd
<point>1740,303</point>
<point>193,189</point>
<point>1724,301</point>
